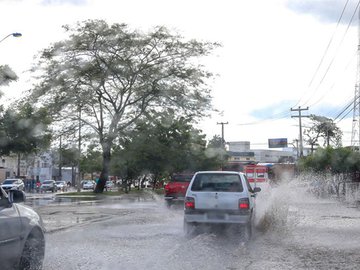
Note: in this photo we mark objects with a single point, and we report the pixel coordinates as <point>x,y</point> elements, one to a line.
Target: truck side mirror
<point>257,189</point>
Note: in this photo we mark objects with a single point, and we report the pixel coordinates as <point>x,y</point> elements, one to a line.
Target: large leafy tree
<point>216,142</point>
<point>91,161</point>
<point>7,75</point>
<point>109,76</point>
<point>335,160</point>
<point>162,147</point>
<point>24,130</point>
<point>216,149</point>
<point>323,131</point>
<point>69,156</point>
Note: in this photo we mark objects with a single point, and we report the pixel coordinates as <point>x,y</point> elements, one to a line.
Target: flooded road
<point>294,231</point>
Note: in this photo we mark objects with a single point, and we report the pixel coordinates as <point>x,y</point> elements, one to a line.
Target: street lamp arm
<point>12,34</point>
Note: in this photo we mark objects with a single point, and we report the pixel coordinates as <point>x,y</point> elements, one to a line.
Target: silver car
<point>9,184</point>
<point>219,197</point>
<point>89,185</point>
<point>22,243</point>
<point>48,185</point>
<point>61,185</point>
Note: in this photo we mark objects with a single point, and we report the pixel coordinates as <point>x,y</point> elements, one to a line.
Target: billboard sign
<point>278,143</point>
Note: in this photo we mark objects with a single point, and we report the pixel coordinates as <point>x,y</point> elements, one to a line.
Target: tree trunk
<point>104,175</point>
<point>125,185</point>
<point>142,181</point>
<point>18,165</point>
<point>72,177</point>
<point>155,180</point>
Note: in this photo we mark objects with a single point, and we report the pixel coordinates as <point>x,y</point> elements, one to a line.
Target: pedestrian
<point>38,184</point>
<point>33,185</point>
<point>28,185</point>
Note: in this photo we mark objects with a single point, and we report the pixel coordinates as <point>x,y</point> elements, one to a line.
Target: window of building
<point>45,165</point>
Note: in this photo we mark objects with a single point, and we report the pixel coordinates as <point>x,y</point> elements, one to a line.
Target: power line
<point>333,85</point>
<point>336,52</point>
<point>347,107</point>
<point>328,46</point>
<point>345,115</point>
<point>332,60</point>
<point>325,52</point>
<point>281,115</point>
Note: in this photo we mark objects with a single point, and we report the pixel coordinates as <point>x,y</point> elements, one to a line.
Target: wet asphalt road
<point>294,231</point>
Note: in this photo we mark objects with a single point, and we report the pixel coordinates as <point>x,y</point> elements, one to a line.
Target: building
<point>8,167</point>
<point>240,146</point>
<point>273,156</point>
<point>42,167</point>
<point>240,152</point>
<point>241,156</point>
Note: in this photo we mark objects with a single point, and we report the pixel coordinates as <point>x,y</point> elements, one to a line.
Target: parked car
<point>48,185</point>
<point>9,184</point>
<point>175,190</point>
<point>22,242</point>
<point>89,185</point>
<point>61,185</point>
<point>219,197</point>
<point>109,185</point>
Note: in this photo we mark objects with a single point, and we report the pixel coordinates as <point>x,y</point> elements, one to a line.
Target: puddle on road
<point>43,201</point>
<point>136,202</point>
<point>91,200</point>
<point>39,201</point>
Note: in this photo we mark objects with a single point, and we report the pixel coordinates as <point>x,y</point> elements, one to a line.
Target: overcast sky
<point>269,61</point>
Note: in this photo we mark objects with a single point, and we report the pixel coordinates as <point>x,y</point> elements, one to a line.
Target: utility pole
<point>299,109</point>
<point>222,142</point>
<point>297,147</point>
<point>222,132</point>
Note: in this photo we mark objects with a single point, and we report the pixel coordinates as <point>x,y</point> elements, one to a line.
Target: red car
<point>175,190</point>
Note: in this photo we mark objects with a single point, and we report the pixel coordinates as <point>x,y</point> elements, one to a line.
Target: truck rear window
<point>217,182</point>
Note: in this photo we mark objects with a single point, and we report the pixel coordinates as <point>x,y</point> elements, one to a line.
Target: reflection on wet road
<point>294,231</point>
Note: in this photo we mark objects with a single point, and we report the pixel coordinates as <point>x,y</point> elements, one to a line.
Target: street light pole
<point>12,34</point>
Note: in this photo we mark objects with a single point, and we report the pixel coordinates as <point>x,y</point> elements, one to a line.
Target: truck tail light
<point>244,203</point>
<point>189,203</point>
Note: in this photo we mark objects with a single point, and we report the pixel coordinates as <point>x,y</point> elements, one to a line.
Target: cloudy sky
<point>275,54</point>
